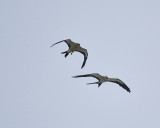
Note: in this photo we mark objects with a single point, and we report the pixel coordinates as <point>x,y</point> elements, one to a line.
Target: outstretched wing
<point>67,41</point>
<point>120,82</point>
<point>85,53</point>
<point>95,75</point>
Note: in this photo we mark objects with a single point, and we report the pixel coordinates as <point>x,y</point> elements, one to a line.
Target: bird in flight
<point>102,79</point>
<point>72,48</point>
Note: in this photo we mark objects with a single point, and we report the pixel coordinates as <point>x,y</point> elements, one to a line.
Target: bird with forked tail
<point>102,79</point>
<point>72,48</point>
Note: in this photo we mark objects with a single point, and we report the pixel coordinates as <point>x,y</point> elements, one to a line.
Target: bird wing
<point>120,82</point>
<point>67,41</point>
<point>95,75</point>
<point>85,53</point>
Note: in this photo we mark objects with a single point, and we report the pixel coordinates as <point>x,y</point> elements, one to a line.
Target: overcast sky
<point>36,87</point>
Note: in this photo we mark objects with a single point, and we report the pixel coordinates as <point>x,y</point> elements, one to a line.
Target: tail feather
<point>66,53</point>
<point>95,83</point>
<point>92,83</point>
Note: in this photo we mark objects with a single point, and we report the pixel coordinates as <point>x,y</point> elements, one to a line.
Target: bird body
<point>102,79</point>
<point>72,48</point>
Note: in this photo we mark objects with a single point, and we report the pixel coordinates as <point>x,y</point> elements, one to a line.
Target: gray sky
<point>36,87</point>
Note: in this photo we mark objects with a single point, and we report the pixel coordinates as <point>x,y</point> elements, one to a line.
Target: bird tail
<point>95,83</point>
<point>66,53</point>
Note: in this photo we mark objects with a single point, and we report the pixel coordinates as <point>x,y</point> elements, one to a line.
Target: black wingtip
<point>51,46</point>
<point>83,65</point>
<point>84,62</point>
<point>128,90</point>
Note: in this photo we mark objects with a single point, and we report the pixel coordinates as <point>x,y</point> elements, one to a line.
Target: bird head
<point>106,77</point>
<point>67,39</point>
<point>78,44</point>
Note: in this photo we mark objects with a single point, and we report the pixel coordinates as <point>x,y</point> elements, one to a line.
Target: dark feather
<point>67,41</point>
<point>85,54</point>
<point>95,75</point>
<point>120,82</point>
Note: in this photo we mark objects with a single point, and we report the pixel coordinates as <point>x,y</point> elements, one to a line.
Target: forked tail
<point>95,83</point>
<point>66,53</point>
